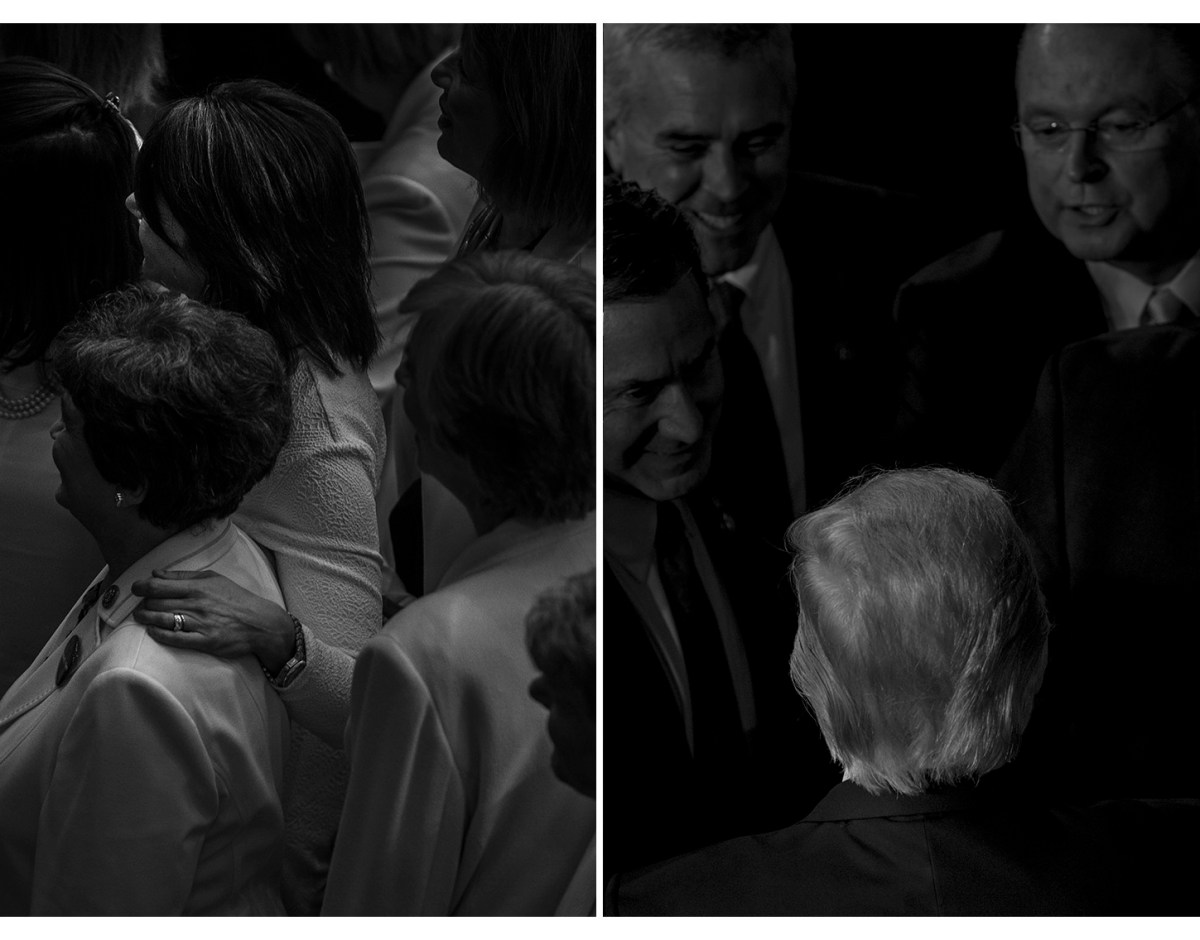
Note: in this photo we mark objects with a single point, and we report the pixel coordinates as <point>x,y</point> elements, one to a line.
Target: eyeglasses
<point>1048,136</point>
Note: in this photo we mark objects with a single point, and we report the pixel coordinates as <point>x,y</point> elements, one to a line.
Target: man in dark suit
<point>921,644</point>
<point>803,268</point>
<point>1110,133</point>
<point>702,736</point>
<point>1106,482</point>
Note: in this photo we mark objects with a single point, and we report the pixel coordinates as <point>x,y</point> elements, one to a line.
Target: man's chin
<point>661,489</point>
<point>719,256</point>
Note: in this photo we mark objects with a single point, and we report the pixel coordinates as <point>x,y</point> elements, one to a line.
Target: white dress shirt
<point>1124,296</point>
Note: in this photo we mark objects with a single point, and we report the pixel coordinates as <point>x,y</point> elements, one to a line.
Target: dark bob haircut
<point>190,401</point>
<point>66,166</point>
<point>543,163</point>
<point>502,364</point>
<point>648,245</point>
<point>265,187</point>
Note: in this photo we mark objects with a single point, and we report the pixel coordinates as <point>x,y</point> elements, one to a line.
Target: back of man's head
<point>648,245</point>
<point>922,632</point>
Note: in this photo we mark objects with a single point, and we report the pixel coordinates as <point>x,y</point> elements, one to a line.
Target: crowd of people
<point>298,544</point>
<point>221,329</point>
<point>948,499</point>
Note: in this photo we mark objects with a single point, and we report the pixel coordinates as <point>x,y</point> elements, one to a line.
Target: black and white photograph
<point>901,496</point>
<point>297,469</point>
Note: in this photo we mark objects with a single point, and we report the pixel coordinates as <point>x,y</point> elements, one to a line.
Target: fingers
<point>182,639</point>
<point>172,585</point>
<point>163,620</point>
<point>160,588</point>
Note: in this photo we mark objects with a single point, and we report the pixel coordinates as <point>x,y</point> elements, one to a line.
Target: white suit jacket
<point>452,806</point>
<point>143,779</point>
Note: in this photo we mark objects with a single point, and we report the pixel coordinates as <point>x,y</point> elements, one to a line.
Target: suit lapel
<point>43,677</point>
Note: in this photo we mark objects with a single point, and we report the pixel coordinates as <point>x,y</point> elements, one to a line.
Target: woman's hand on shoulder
<point>217,616</point>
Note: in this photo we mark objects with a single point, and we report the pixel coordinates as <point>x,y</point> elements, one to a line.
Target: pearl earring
<point>120,498</point>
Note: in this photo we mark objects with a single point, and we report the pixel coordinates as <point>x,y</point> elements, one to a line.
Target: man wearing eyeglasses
<point>1109,130</point>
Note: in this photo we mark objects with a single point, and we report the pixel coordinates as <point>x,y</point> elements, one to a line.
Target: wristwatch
<point>294,666</point>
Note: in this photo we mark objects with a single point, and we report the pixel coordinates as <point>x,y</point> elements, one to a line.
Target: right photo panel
<point>901,459</point>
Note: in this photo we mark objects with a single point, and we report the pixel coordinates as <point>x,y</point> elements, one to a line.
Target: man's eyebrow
<point>771,129</point>
<point>678,135</point>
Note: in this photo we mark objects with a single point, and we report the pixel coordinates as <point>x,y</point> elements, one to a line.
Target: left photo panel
<point>297,469</point>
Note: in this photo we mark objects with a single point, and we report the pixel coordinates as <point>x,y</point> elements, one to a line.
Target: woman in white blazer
<point>137,778</point>
<point>453,806</point>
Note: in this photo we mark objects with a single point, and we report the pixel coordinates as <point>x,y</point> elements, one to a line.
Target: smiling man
<point>1109,131</point>
<point>803,268</point>
<point>702,737</point>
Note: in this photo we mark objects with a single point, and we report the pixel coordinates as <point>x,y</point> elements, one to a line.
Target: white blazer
<point>140,779</point>
<point>452,806</point>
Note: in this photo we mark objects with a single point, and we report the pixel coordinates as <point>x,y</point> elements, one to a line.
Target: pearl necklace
<point>26,407</point>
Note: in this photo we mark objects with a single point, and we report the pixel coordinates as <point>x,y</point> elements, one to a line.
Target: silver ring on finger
<point>180,623</point>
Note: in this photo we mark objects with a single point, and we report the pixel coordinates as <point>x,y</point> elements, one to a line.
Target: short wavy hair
<point>648,245</point>
<point>190,401</point>
<point>265,186</point>
<point>921,637</point>
<point>623,41</point>
<point>543,162</point>
<point>502,362</point>
<point>66,166</point>
<point>560,632</point>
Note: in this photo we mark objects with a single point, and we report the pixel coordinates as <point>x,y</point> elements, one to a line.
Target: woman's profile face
<point>470,119</point>
<point>162,264</point>
<point>82,490</point>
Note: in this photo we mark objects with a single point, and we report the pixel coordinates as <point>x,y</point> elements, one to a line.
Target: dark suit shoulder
<point>990,851</point>
<point>1147,348</point>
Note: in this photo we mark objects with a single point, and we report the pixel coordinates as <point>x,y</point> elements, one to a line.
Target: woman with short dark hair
<point>248,197</point>
<point>136,778</point>
<point>453,807</point>
<point>66,163</point>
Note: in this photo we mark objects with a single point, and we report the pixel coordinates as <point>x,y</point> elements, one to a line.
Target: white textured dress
<point>316,513</point>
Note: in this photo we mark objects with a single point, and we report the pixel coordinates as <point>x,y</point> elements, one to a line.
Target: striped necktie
<point>1164,307</point>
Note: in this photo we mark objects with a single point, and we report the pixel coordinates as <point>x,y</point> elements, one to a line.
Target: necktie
<point>715,717</point>
<point>1164,307</point>
<point>748,470</point>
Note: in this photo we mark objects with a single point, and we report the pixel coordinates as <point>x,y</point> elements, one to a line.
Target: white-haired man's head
<point>922,632</point>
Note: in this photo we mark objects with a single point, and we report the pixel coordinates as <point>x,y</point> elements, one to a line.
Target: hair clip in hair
<point>113,100</point>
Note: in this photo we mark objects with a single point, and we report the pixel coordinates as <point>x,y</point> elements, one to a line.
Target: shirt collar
<point>848,800</point>
<point>746,277</point>
<point>1125,296</point>
<point>191,550</point>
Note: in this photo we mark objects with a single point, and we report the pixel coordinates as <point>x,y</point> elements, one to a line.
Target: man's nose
<point>724,177</point>
<point>679,419</point>
<point>1084,163</point>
